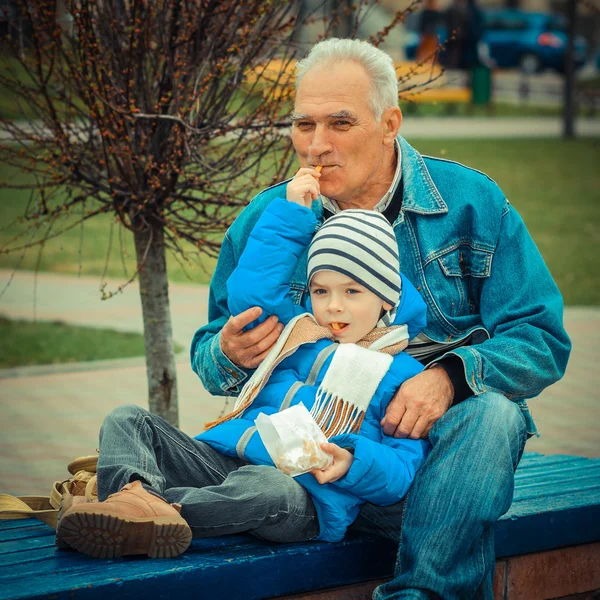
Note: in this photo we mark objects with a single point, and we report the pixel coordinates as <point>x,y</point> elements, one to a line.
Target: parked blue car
<point>516,38</point>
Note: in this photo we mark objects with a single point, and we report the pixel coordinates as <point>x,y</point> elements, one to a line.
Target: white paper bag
<point>293,440</point>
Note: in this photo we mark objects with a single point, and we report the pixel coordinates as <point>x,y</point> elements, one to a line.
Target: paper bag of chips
<point>293,440</point>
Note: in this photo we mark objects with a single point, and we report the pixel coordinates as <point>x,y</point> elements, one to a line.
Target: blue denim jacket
<point>471,257</point>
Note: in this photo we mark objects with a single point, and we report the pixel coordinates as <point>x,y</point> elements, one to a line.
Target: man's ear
<point>387,306</point>
<point>391,121</point>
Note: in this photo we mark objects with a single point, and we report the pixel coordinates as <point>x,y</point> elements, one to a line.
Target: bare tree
<point>569,82</point>
<point>169,115</point>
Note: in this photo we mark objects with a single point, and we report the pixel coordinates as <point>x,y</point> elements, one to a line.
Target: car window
<point>506,24</point>
<point>557,23</point>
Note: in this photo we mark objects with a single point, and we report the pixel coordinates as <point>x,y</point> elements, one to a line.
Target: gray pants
<point>219,494</point>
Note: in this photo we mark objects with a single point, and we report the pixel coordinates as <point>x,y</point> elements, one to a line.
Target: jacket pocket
<point>460,271</point>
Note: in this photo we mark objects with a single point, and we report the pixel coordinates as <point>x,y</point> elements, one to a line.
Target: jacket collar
<point>420,192</point>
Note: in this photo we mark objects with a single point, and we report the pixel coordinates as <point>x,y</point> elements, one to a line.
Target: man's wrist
<point>233,374</point>
<point>454,368</point>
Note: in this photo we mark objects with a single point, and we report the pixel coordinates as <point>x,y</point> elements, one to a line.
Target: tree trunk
<point>158,332</point>
<point>569,83</point>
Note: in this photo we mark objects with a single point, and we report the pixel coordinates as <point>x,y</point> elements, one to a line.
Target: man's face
<point>347,308</point>
<point>334,126</point>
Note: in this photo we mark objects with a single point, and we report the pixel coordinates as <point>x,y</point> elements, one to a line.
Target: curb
<point>81,367</point>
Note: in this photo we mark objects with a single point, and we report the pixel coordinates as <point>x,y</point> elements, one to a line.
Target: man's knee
<point>124,416</point>
<point>489,412</point>
<point>489,420</point>
<point>498,412</point>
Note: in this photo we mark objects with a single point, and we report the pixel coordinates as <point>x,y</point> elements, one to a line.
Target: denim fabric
<point>470,256</point>
<point>445,525</point>
<point>219,494</point>
<point>468,253</point>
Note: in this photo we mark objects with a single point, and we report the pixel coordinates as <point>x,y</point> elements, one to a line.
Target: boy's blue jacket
<point>383,466</point>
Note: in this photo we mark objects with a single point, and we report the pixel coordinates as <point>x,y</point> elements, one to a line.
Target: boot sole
<point>66,503</point>
<point>110,536</point>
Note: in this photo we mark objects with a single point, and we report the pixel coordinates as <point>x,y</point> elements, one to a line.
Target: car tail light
<point>549,39</point>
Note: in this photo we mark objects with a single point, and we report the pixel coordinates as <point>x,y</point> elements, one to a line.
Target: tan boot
<point>68,500</point>
<point>132,521</point>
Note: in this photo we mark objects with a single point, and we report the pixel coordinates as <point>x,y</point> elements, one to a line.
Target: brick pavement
<point>49,415</point>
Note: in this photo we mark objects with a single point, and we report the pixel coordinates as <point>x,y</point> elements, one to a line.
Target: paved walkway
<point>51,414</point>
<point>493,127</point>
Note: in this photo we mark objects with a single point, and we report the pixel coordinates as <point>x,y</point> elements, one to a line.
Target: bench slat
<point>256,569</point>
<point>557,503</point>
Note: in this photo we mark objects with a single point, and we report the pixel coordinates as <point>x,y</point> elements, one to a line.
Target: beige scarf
<point>335,414</point>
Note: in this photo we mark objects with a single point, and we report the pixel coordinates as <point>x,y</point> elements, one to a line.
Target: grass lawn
<point>27,343</point>
<point>100,246</point>
<point>554,184</point>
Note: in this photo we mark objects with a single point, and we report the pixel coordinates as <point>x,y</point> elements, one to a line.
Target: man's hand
<point>248,348</point>
<point>304,187</point>
<point>342,461</point>
<point>418,404</point>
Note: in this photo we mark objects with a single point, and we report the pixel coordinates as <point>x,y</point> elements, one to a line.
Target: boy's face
<point>347,308</point>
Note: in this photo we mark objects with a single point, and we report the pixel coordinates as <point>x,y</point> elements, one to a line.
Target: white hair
<point>378,65</point>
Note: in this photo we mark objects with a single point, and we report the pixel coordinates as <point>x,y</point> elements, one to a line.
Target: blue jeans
<point>219,494</point>
<point>445,525</point>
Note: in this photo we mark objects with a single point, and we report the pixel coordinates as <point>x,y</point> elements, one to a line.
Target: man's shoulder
<point>461,185</point>
<point>445,170</point>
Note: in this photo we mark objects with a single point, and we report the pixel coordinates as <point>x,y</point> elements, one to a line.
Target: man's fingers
<point>407,424</point>
<point>269,343</point>
<point>263,336</point>
<point>304,187</point>
<point>419,429</point>
<point>427,430</point>
<point>393,416</point>
<point>307,171</point>
<point>236,323</point>
<point>248,339</point>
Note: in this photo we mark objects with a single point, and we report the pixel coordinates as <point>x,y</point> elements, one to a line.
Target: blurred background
<point>509,88</point>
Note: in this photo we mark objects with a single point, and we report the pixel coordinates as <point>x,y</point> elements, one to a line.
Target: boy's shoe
<point>132,521</point>
<point>68,500</point>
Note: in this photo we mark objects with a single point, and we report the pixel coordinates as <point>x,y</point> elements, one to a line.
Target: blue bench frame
<point>556,504</point>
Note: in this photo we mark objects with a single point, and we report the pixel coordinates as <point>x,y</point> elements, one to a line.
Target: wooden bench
<point>440,95</point>
<point>548,546</point>
<point>450,97</point>
<point>275,79</point>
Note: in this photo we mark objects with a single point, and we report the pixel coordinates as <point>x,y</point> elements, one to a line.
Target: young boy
<point>340,355</point>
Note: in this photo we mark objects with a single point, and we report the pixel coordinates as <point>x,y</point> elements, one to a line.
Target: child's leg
<point>136,444</point>
<point>261,500</point>
<point>219,494</point>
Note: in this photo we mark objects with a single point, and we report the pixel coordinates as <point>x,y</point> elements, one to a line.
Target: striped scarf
<point>332,411</point>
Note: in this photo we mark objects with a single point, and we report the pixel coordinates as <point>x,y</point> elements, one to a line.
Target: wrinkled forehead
<point>327,89</point>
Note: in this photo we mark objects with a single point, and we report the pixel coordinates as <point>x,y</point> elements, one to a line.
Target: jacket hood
<point>412,310</point>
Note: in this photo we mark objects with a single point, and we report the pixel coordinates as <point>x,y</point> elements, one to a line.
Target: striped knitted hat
<point>360,244</point>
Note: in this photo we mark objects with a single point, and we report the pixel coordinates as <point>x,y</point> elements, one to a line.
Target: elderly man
<point>494,335</point>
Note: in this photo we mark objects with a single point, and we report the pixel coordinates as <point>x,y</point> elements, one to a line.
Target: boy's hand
<point>342,461</point>
<point>304,187</point>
